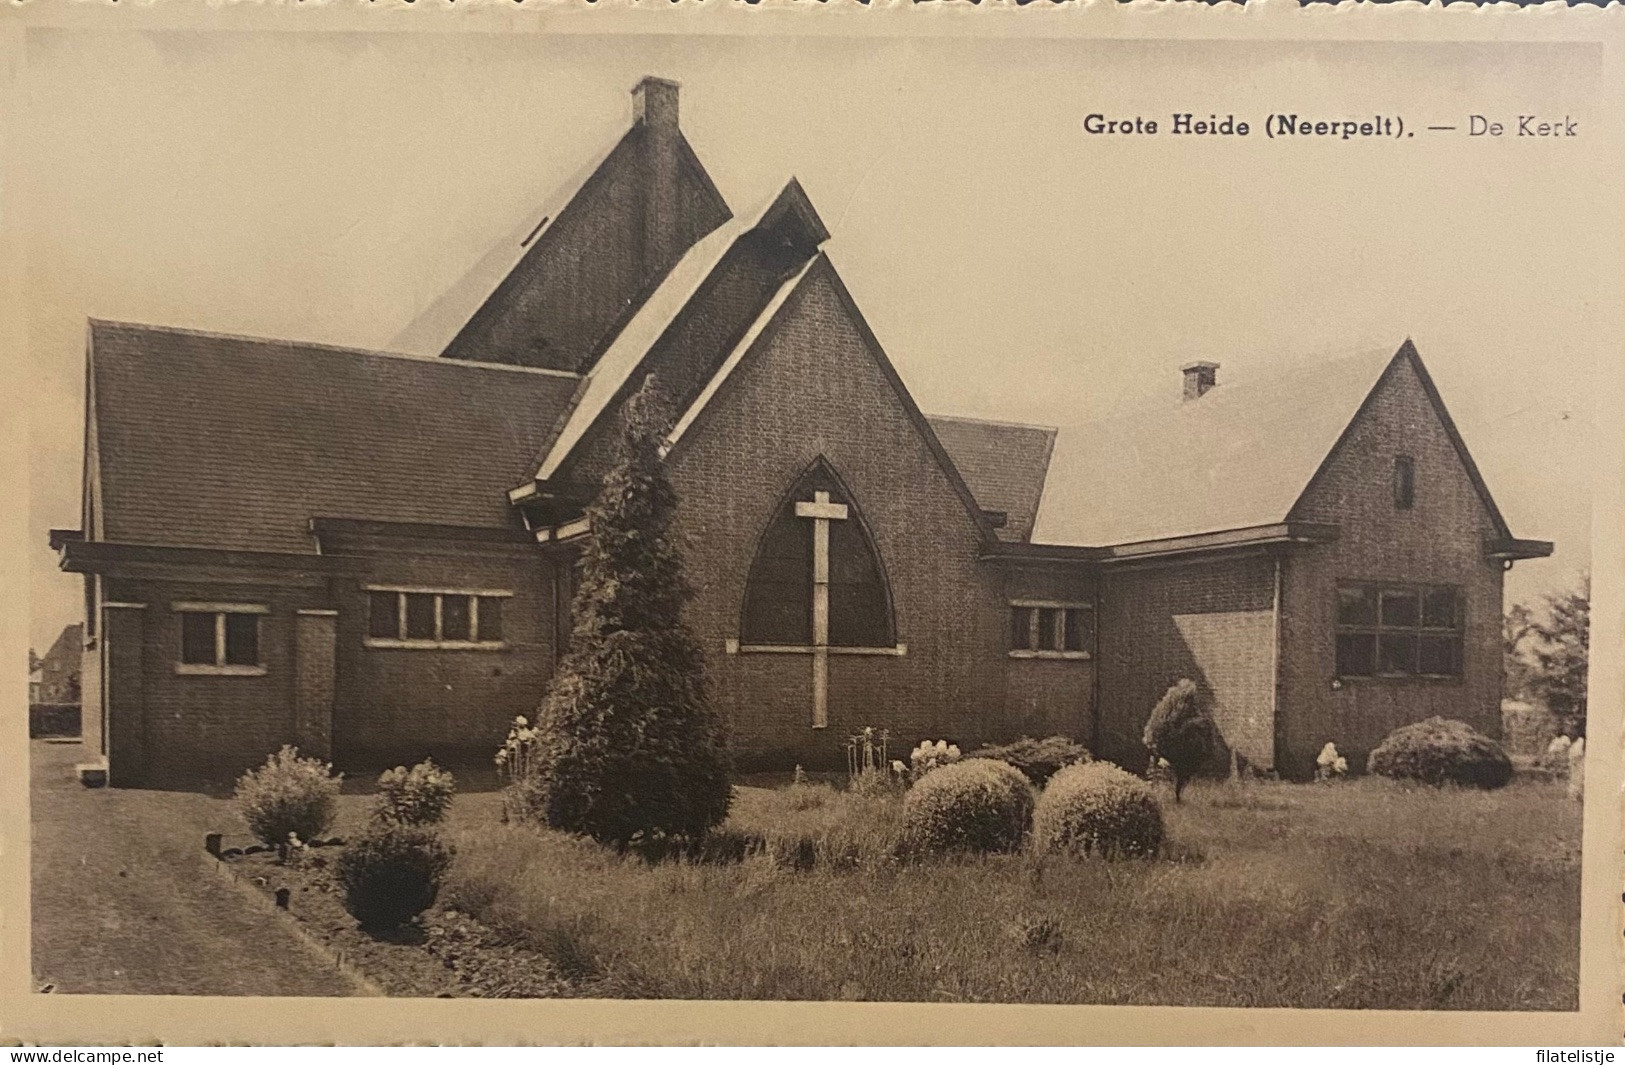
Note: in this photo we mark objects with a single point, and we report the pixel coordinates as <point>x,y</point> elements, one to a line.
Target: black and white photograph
<point>961,518</point>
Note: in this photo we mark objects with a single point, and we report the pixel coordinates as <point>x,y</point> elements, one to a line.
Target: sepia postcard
<point>810,524</point>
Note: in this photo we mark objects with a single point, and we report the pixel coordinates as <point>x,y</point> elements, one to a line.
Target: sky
<point>326,186</point>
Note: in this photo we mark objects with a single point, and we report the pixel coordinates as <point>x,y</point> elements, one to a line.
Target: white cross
<point>822,512</point>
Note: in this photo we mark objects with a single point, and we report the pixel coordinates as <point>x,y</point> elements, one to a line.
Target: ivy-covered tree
<point>1182,732</point>
<point>628,749</point>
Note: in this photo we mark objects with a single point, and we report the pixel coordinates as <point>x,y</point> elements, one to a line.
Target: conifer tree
<point>628,748</point>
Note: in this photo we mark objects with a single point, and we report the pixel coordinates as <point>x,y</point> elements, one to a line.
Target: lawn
<point>1360,894</point>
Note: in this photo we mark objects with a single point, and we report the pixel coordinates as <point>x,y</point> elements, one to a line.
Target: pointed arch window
<point>779,590</point>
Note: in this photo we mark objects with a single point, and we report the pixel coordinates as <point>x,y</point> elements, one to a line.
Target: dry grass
<point>1354,895</point>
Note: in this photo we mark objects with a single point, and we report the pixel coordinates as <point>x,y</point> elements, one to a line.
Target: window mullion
<point>473,619</point>
<point>1032,628</point>
<point>220,639</point>
<point>400,615</point>
<point>439,603</point>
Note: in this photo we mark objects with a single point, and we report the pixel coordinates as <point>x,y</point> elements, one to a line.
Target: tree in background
<point>1182,732</point>
<point>1548,654</point>
<point>627,748</point>
<point>1516,627</point>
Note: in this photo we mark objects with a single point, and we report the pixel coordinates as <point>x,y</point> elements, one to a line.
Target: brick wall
<point>688,355</point>
<point>398,705</point>
<point>586,269</point>
<point>1209,619</point>
<point>190,728</point>
<point>1439,540</point>
<point>1048,697</point>
<point>814,389</point>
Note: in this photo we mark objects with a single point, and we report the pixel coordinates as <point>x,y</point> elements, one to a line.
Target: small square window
<point>1396,653</point>
<point>490,624</point>
<point>197,639</point>
<point>454,619</point>
<point>1357,606</point>
<point>1440,656</point>
<point>1439,609</point>
<point>1399,608</point>
<point>1356,654</point>
<point>242,639</point>
<point>419,616</point>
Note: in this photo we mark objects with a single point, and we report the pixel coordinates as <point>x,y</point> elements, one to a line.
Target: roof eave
<point>1285,532</point>
<point>85,556</point>
<point>1511,549</point>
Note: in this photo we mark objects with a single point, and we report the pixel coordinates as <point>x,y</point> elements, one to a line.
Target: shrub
<point>392,873</point>
<point>627,747</point>
<point>417,796</point>
<point>1097,808</point>
<point>1441,751</point>
<point>288,795</point>
<point>1038,760</point>
<point>976,805</point>
<point>1329,765</point>
<point>1182,733</point>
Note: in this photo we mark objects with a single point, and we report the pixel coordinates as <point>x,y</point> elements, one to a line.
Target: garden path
<point>123,902</point>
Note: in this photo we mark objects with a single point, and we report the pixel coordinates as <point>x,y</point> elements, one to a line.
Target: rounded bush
<point>975,805</point>
<point>288,795</point>
<point>419,796</point>
<point>1441,751</point>
<point>1097,808</point>
<point>391,874</point>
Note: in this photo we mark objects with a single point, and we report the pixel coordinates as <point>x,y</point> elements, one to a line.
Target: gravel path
<point>123,902</point>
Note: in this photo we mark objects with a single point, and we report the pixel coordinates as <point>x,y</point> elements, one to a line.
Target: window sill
<point>734,647</point>
<point>1397,678</point>
<point>1066,656</point>
<point>386,643</point>
<point>189,669</point>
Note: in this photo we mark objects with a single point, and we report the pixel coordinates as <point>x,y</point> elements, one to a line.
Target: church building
<point>370,554</point>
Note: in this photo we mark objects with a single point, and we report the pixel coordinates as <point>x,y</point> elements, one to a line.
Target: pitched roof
<point>1003,463</point>
<point>236,442</point>
<point>634,342</point>
<point>740,350</point>
<point>1240,456</point>
<point>497,284</point>
<point>438,322</point>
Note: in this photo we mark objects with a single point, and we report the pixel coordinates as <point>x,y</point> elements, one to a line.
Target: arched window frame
<point>799,491</point>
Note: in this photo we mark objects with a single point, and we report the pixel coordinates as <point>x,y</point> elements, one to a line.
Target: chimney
<point>654,107</point>
<point>1199,377</point>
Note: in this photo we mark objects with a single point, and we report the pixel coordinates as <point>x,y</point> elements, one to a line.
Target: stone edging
<point>315,945</point>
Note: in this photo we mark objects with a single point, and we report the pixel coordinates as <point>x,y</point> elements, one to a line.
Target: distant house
<point>371,555</point>
<point>60,668</point>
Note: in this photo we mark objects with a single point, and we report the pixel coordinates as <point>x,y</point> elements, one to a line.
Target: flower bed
<point>446,954</point>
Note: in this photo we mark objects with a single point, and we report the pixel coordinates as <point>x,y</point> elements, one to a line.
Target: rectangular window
<point>220,638</point>
<point>1404,482</point>
<point>241,639</point>
<point>1021,628</point>
<point>197,639</point>
<point>414,617</point>
<point>383,614</point>
<point>1398,630</point>
<point>1080,629</point>
<point>1051,630</point>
